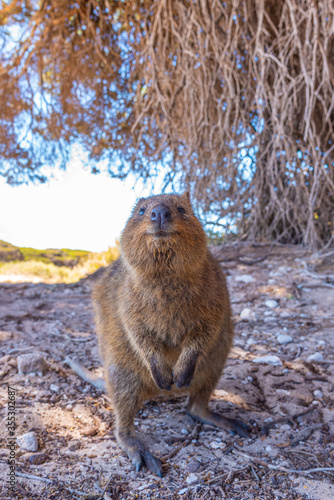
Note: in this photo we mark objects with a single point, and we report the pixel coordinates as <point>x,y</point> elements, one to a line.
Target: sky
<point>75,209</point>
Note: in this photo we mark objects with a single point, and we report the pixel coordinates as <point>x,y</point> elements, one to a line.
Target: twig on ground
<point>87,496</point>
<point>282,420</point>
<point>241,260</point>
<point>228,475</point>
<point>35,478</point>
<point>105,488</point>
<point>188,439</point>
<point>260,462</point>
<point>20,349</point>
<point>302,436</point>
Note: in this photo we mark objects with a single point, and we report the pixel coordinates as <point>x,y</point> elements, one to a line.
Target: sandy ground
<point>286,291</point>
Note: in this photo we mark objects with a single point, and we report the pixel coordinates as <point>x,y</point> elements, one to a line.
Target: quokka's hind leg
<point>198,409</point>
<point>127,391</point>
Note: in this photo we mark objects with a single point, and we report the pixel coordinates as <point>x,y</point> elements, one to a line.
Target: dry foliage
<point>236,96</point>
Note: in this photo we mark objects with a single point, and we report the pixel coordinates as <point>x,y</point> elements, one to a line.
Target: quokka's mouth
<point>160,233</point>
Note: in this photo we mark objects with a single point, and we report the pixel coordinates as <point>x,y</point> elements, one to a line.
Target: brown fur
<point>163,319</point>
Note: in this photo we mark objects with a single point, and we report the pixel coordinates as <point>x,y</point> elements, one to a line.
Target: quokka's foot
<point>211,418</point>
<point>139,455</point>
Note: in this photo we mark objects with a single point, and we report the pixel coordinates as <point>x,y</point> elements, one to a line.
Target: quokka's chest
<point>170,312</point>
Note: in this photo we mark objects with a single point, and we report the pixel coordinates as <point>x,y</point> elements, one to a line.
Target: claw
<point>240,428</point>
<point>152,463</point>
<point>138,465</point>
<point>137,460</point>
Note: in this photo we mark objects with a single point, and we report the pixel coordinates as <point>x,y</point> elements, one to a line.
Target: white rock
<point>250,342</point>
<point>285,314</point>
<point>248,314</point>
<point>315,357</point>
<point>28,441</point>
<point>318,394</point>
<point>271,281</point>
<point>284,339</point>
<point>54,388</point>
<point>269,359</point>
<point>183,491</point>
<point>32,362</point>
<point>245,278</point>
<point>184,431</point>
<point>214,445</point>
<point>285,427</point>
<point>271,303</point>
<point>192,478</point>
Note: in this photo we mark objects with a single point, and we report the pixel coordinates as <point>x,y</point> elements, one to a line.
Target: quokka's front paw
<point>183,373</point>
<point>162,374</point>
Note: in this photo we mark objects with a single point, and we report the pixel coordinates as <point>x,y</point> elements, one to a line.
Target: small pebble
<point>315,357</point>
<point>285,427</point>
<point>54,388</point>
<point>284,339</point>
<point>192,478</point>
<point>32,362</point>
<point>28,441</point>
<point>193,466</point>
<point>248,314</point>
<point>268,360</point>
<point>254,368</point>
<point>12,363</point>
<point>38,458</point>
<point>245,278</point>
<point>271,303</point>
<point>5,359</point>
<point>318,394</point>
<point>89,431</point>
<point>183,491</point>
<point>214,445</point>
<point>184,431</point>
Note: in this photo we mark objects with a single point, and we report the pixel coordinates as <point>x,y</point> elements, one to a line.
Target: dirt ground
<point>283,306</point>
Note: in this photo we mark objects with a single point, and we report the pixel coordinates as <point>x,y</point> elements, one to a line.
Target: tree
<point>236,97</point>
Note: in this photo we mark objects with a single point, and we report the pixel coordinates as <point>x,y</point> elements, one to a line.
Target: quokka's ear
<point>186,196</point>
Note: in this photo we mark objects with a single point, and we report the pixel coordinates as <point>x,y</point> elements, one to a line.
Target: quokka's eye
<point>142,211</point>
<point>181,210</point>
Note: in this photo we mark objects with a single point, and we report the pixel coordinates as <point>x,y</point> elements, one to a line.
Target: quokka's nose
<point>161,214</point>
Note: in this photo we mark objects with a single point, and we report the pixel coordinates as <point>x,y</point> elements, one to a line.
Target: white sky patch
<point>75,209</point>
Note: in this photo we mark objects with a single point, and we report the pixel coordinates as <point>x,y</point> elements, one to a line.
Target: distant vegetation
<point>51,265</point>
